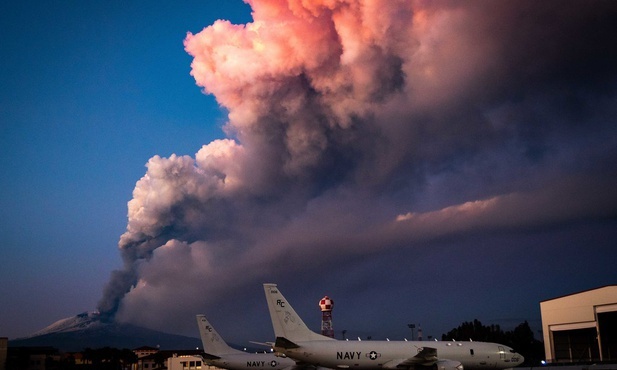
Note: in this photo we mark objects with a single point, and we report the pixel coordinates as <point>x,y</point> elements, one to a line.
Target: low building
<point>179,359</point>
<point>4,342</point>
<point>581,327</point>
<point>145,351</point>
<point>32,358</point>
<point>186,362</point>
<point>75,358</point>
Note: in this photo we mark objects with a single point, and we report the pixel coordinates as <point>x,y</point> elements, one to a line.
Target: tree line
<point>521,338</point>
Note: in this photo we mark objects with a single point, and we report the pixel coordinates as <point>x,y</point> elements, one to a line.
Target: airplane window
<point>471,352</point>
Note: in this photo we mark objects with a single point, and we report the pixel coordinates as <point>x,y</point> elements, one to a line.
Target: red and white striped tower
<point>326,305</point>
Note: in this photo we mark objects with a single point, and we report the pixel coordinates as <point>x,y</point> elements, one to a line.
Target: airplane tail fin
<point>212,342</point>
<point>288,326</point>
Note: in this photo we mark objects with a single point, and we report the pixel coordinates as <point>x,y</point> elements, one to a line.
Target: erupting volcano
<point>89,330</point>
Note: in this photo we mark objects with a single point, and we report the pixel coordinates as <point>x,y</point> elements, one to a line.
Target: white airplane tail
<point>288,326</point>
<point>212,342</point>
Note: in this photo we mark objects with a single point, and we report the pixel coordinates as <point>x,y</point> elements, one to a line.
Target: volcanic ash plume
<point>348,120</point>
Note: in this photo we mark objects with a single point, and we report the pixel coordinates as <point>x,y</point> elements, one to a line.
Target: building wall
<point>37,362</point>
<point>188,363</point>
<point>575,312</point>
<point>185,363</point>
<point>4,342</point>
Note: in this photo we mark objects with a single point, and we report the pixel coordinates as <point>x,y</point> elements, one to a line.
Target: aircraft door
<point>502,353</point>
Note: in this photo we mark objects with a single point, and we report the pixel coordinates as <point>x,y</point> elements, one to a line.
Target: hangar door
<point>575,344</point>
<point>607,324</point>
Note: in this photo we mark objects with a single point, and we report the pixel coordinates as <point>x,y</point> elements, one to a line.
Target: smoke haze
<point>373,129</point>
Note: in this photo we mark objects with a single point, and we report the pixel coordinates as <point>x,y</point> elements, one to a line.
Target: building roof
<point>582,291</point>
<point>171,353</point>
<point>146,348</point>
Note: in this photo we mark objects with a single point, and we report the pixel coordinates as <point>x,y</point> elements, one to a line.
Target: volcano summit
<point>89,330</point>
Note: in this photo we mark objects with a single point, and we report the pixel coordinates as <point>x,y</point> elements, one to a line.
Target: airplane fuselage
<point>375,355</point>
<point>252,361</point>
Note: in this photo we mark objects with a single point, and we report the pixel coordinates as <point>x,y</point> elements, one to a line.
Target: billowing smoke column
<point>364,125</point>
<point>301,84</point>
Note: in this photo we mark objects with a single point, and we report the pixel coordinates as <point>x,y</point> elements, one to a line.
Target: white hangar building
<point>581,327</point>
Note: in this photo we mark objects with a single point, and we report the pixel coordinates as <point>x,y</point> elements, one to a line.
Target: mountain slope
<point>87,330</point>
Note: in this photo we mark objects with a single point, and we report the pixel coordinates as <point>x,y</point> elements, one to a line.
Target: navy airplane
<point>218,353</point>
<point>294,339</point>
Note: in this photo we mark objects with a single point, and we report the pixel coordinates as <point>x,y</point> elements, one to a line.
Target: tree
<point>160,359</point>
<point>521,338</point>
<point>127,357</point>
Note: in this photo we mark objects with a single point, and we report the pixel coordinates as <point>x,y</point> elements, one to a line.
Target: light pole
<point>412,327</point>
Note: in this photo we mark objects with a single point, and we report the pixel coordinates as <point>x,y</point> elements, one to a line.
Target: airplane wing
<point>305,366</point>
<point>426,356</point>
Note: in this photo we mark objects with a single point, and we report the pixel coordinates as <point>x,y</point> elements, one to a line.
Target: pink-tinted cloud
<point>359,127</point>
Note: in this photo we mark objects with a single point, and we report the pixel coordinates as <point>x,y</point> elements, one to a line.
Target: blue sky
<point>89,92</point>
<point>424,163</point>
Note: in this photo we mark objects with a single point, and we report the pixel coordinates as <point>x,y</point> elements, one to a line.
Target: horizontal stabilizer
<point>285,343</point>
<point>208,356</point>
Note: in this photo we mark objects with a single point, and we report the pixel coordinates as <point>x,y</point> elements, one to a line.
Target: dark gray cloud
<point>400,133</point>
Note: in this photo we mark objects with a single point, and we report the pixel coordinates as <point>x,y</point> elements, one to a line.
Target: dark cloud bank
<point>449,160</point>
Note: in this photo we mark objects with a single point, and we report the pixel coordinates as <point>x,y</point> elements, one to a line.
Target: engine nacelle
<point>447,365</point>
